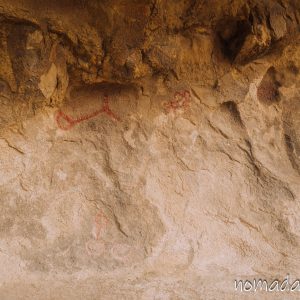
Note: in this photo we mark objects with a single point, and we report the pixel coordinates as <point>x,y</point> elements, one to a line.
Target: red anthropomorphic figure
<point>66,122</point>
<point>181,100</point>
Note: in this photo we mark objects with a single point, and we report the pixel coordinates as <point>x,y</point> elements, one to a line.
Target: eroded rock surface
<point>149,149</point>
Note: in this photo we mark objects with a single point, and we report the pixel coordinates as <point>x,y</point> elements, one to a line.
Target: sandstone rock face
<point>149,149</point>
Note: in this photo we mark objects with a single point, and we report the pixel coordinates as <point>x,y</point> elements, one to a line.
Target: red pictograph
<point>181,100</point>
<point>66,122</point>
<point>95,246</point>
<point>100,223</point>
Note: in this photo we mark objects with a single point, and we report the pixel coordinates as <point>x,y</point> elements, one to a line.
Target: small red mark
<point>100,223</point>
<point>95,246</point>
<point>181,100</point>
<point>65,122</point>
<point>106,109</point>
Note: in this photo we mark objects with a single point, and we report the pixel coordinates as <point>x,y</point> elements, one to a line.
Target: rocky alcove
<point>149,149</point>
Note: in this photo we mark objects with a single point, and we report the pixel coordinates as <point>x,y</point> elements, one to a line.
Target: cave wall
<point>149,149</point>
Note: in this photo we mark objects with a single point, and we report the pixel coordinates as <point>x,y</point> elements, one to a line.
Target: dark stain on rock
<point>267,92</point>
<point>232,34</point>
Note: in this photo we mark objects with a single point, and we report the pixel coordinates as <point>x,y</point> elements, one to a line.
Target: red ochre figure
<point>100,222</point>
<point>181,100</point>
<point>70,122</point>
<point>96,246</point>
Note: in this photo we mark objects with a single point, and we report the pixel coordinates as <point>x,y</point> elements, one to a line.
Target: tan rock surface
<point>149,149</point>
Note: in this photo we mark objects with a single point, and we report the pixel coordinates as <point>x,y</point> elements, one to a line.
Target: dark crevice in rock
<point>232,34</point>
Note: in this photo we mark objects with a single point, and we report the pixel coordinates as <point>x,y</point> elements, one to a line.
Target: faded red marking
<point>181,100</point>
<point>61,117</point>
<point>106,109</point>
<point>100,222</point>
<point>95,245</point>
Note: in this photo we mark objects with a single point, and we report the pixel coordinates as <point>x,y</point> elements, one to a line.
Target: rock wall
<point>149,149</point>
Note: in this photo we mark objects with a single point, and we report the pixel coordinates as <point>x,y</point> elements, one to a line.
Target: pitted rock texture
<point>149,149</point>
